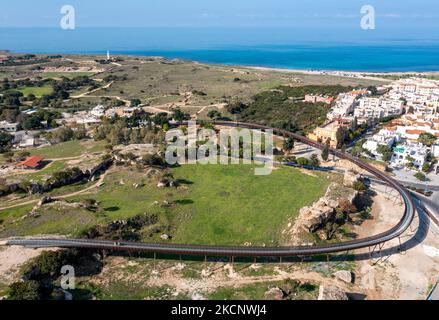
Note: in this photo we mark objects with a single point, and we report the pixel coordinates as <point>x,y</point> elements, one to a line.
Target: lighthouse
<point>108,55</point>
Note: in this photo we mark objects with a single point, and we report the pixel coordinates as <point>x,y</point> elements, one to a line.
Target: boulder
<point>350,178</point>
<point>332,293</point>
<point>344,275</point>
<point>165,237</point>
<point>315,217</point>
<point>274,294</point>
<point>44,200</point>
<point>161,184</point>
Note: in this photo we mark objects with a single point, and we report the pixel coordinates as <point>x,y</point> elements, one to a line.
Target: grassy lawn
<point>216,204</point>
<point>124,290</point>
<point>37,91</point>
<point>256,291</point>
<point>69,149</point>
<point>233,206</point>
<point>70,75</point>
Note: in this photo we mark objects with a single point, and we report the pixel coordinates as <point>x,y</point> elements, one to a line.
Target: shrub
<point>26,290</point>
<point>420,176</point>
<point>153,160</point>
<point>359,186</point>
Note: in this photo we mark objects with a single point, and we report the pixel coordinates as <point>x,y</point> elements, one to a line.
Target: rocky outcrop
<point>332,293</point>
<point>59,179</point>
<point>274,294</point>
<point>316,216</point>
<point>344,275</point>
<point>351,177</point>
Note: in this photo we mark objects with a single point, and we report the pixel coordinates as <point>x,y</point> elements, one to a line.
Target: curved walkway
<point>239,251</point>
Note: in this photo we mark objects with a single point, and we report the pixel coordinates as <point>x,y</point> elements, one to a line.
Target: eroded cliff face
<point>314,218</point>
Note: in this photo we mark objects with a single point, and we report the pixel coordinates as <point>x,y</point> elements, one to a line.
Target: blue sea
<point>329,49</point>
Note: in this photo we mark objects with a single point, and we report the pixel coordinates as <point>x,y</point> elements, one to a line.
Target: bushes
<point>426,167</point>
<point>325,153</point>
<point>64,177</point>
<point>153,160</point>
<point>275,107</point>
<point>123,230</point>
<point>5,142</point>
<point>26,290</point>
<point>420,176</point>
<point>48,264</point>
<point>40,274</point>
<point>359,186</point>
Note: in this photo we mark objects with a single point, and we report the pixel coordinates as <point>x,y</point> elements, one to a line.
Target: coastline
<point>372,75</point>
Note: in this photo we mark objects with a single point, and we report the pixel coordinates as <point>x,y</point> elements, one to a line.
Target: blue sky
<point>406,14</point>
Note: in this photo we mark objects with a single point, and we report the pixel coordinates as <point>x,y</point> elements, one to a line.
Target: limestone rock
<point>44,200</point>
<point>331,293</point>
<point>274,294</point>
<point>344,275</point>
<point>161,184</point>
<point>350,178</point>
<point>165,237</point>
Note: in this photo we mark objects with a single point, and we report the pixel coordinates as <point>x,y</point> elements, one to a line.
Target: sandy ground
<point>11,259</point>
<point>215,276</point>
<point>406,274</point>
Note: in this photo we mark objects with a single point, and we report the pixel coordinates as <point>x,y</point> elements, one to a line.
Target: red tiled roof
<point>415,131</point>
<point>31,162</point>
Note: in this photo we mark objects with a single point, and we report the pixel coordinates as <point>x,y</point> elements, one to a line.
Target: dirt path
<point>73,194</point>
<point>86,94</point>
<point>398,275</point>
<point>12,258</point>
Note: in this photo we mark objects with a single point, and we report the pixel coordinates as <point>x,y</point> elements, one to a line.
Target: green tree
<point>314,160</point>
<point>420,176</point>
<point>80,133</point>
<point>426,167</point>
<point>325,153</point>
<point>427,139</point>
<point>179,115</point>
<point>214,114</point>
<point>135,102</point>
<point>5,142</point>
<point>385,151</point>
<point>288,145</point>
<point>62,134</point>
<point>359,186</point>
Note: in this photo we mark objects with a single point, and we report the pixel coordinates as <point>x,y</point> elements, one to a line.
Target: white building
<point>98,111</point>
<point>378,108</point>
<point>413,152</point>
<point>435,150</point>
<point>344,106</point>
<point>8,127</point>
<point>384,138</point>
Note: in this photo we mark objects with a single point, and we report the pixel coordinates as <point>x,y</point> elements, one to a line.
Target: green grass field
<point>67,149</point>
<point>217,205</point>
<point>37,91</point>
<point>70,75</point>
<point>233,206</point>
